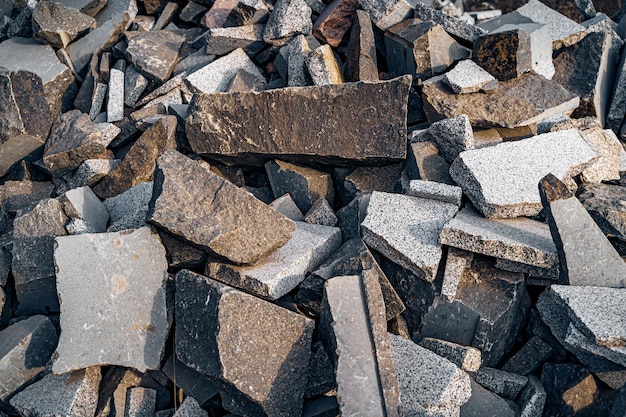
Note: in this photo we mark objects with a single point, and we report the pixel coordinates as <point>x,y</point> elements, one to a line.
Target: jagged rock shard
<point>25,348</point>
<point>520,239</point>
<point>586,255</point>
<point>82,204</point>
<point>284,269</point>
<point>456,27</point>
<point>354,332</point>
<point>604,203</point>
<point>192,202</point>
<point>289,18</point>
<point>505,55</point>
<point>513,192</point>
<point>511,104</point>
<point>121,276</point>
<point>316,131</point>
<point>452,136</point>
<point>73,394</point>
<point>58,25</point>
<point>25,118</point>
<point>406,230</point>
<point>468,77</point>
<point>154,53</point>
<point>361,62</point>
<point>254,351</point>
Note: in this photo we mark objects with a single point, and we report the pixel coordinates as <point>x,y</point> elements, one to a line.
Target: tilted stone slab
<point>210,212</point>
<point>285,268</point>
<point>512,192</point>
<point>154,53</point>
<point>113,301</point>
<point>312,130</point>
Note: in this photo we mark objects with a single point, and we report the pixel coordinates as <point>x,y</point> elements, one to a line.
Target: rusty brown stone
<point>335,21</point>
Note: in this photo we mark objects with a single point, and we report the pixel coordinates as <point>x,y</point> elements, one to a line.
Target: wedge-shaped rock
<point>253,350</point>
<point>25,118</point>
<point>317,132</point>
<point>456,27</point>
<point>427,380</point>
<point>452,136</point>
<point>73,394</point>
<point>563,31</point>
<point>304,184</point>
<point>519,102</point>
<point>513,192</point>
<point>154,53</point>
<point>25,348</point>
<point>521,240</point>
<point>284,269</point>
<point>586,255</point>
<point>335,21</point>
<point>139,163</point>
<point>192,202</point>
<point>74,138</point>
<point>121,276</point>
<point>222,41</point>
<point>361,63</point>
<point>82,204</point>
<point>354,332</point>
<point>57,25</point>
<point>504,384</point>
<point>406,230</point>
<point>604,203</point>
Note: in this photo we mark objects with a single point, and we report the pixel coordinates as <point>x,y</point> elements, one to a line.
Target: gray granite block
<point>465,357</point>
<point>469,77</point>
<point>128,210</point>
<point>141,402</point>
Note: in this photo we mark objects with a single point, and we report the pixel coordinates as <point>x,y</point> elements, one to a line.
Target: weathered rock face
<point>604,204</point>
<point>121,276</point>
<point>155,53</point>
<point>505,55</point>
<point>57,25</point>
<point>320,132</point>
<point>263,374</point>
<point>215,214</point>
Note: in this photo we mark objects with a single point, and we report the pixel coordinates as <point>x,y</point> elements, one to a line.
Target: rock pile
<point>312,208</point>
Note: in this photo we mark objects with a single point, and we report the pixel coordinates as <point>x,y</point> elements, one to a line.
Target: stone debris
<point>604,203</point>
<point>361,64</point>
<point>57,25</point>
<point>465,357</point>
<point>335,21</point>
<point>190,408</point>
<point>82,204</point>
<point>435,191</point>
<point>563,31</point>
<point>321,213</point>
<point>322,66</point>
<point>154,53</point>
<point>469,77</point>
<point>454,26</point>
<point>608,166</point>
<point>505,384</point>
<point>289,18</point>
<point>504,54</point>
<point>115,99</point>
<point>141,402</point>
<point>217,75</point>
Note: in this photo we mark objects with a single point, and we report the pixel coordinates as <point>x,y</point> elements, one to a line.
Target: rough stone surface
<point>289,18</point>
<point>425,163</point>
<point>222,41</point>
<point>457,261</point>
<point>352,326</point>
<point>323,67</point>
<point>91,171</point>
<point>264,374</point>
<point>530,357</point>
<point>115,99</point>
<point>234,13</point>
<point>154,53</point>
<point>139,163</point>
<point>532,399</point>
<point>321,373</point>
<point>122,276</point>
<point>522,240</point>
<point>513,192</point>
<point>285,268</point>
<point>452,25</point>
<point>608,166</point>
<point>509,105</point>
<point>569,388</point>
<point>426,379</point>
<point>435,191</point>
<point>134,85</point>
<point>586,255</point>
<point>305,185</point>
<point>57,25</point>
<point>465,357</point>
<point>469,77</point>
<point>563,31</point>
<point>504,384</point>
<point>452,136</point>
<point>81,203</point>
<point>335,21</point>
<point>505,55</point>
<point>366,179</point>
<point>321,213</point>
<point>406,230</point>
<point>190,408</point>
<point>141,402</point>
<point>257,229</point>
<point>385,14</point>
<point>297,72</point>
<point>25,348</point>
<point>604,203</point>
<point>617,107</point>
<point>287,207</point>
<point>20,195</point>
<point>322,132</point>
<point>485,403</point>
<point>361,62</point>
<point>194,384</point>
<point>73,394</point>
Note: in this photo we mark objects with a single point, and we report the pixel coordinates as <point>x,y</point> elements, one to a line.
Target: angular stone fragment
<point>366,179</point>
<point>305,185</point>
<point>58,25</point>
<point>336,19</point>
<point>563,31</point>
<point>234,13</point>
<point>32,264</point>
<point>452,25</point>
<point>513,192</point>
<point>425,163</point>
<point>406,230</point>
<point>25,118</point>
<point>321,373</point>
<point>505,55</point>
<point>457,261</point>
<point>285,268</point>
<point>608,166</point>
<point>298,51</point>
<point>617,108</point>
<point>483,402</point>
<point>139,163</point>
<point>509,105</point>
<point>244,236</point>
<point>25,348</point>
<point>426,379</point>
<point>532,399</point>
<point>422,49</point>
<point>97,100</point>
<point>586,255</point>
<point>89,7</point>
<point>570,388</point>
<point>73,394</point>
<point>154,53</point>
<point>522,240</point>
<point>122,276</point>
<point>317,132</point>
<point>141,402</point>
<point>604,203</point>
<point>465,357</point>
<point>361,64</point>
<point>323,66</point>
<point>287,207</point>
<point>469,77</point>
<point>73,139</point>
<point>20,195</point>
<point>190,408</point>
<point>530,357</point>
<point>115,99</point>
<point>321,213</point>
<point>253,350</point>
<point>435,191</point>
<point>221,41</point>
<point>134,85</point>
<point>193,383</point>
<point>504,384</point>
<point>289,18</point>
<point>352,326</point>
<point>25,54</point>
<point>91,171</point>
<point>452,136</point>
<point>385,14</point>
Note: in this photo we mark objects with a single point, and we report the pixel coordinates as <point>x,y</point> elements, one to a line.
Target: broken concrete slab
<point>129,313</point>
<point>361,63</point>
<point>154,53</point>
<point>285,268</point>
<point>323,67</point>
<point>465,357</point>
<point>305,185</point>
<point>604,203</point>
<point>352,325</point>
<point>468,77</point>
<point>379,141</point>
<point>81,203</point>
<point>520,239</point>
<point>509,105</point>
<point>257,229</point>
<point>511,193</point>
<point>26,347</point>
<point>57,25</point>
<point>289,18</point>
<point>263,375</point>
<point>586,255</point>
<point>139,163</point>
<point>73,394</point>
<point>435,191</point>
<point>505,54</point>
<point>456,27</point>
<point>406,230</point>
